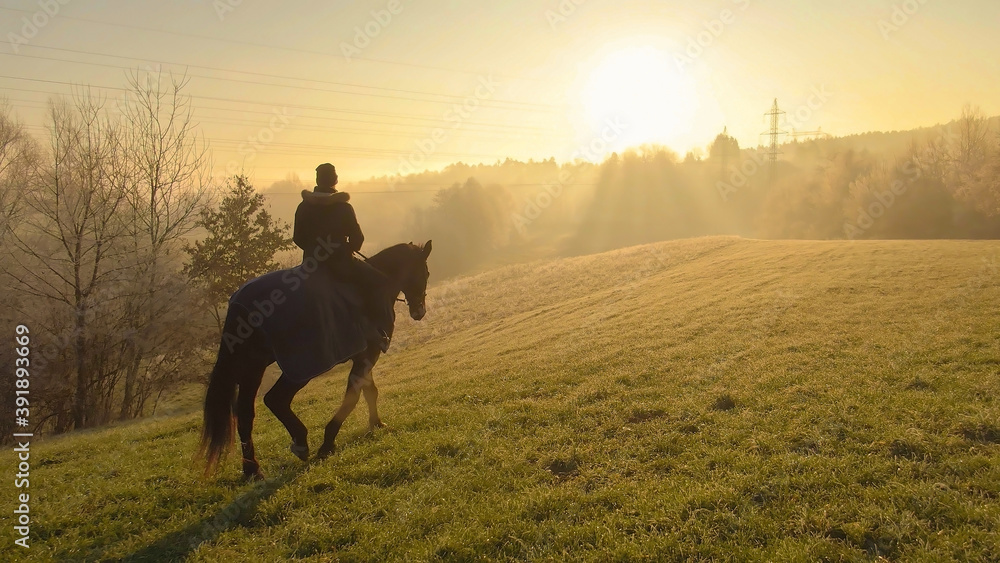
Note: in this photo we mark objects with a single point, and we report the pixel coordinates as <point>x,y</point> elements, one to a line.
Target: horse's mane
<point>393,255</point>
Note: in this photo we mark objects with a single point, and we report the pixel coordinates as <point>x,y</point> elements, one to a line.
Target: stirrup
<point>379,336</point>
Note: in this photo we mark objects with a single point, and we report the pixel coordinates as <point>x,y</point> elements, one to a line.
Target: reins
<point>358,252</point>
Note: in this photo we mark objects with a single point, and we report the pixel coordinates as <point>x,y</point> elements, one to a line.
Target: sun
<point>643,89</point>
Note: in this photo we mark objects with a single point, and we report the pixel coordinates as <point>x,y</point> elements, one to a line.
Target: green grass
<point>712,398</point>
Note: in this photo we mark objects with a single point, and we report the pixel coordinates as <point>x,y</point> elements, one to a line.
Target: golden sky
<point>385,87</point>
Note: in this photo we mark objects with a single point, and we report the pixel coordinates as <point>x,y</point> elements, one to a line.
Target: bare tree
<point>97,257</point>
<point>70,248</point>
<point>18,158</point>
<point>973,138</point>
<point>972,175</point>
<point>165,184</point>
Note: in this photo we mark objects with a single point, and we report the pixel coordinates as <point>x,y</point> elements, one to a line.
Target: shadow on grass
<point>179,544</point>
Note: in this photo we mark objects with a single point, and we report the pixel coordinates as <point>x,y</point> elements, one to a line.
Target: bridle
<point>404,300</point>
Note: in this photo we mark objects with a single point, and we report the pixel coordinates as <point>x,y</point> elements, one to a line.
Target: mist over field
<point>943,178</point>
<point>669,281</point>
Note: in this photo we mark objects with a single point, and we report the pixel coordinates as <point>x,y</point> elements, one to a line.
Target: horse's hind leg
<point>245,413</point>
<point>356,381</point>
<point>279,400</point>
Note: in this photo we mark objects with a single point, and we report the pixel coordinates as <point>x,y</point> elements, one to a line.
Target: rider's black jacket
<point>324,219</point>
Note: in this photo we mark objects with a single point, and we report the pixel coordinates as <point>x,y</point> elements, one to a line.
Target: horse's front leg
<point>370,391</point>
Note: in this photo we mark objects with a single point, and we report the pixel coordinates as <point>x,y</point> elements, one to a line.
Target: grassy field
<point>713,398</point>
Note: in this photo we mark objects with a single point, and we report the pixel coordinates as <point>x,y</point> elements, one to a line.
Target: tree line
<point>942,182</point>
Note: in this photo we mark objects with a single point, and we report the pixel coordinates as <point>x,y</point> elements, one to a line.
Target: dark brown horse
<point>240,367</point>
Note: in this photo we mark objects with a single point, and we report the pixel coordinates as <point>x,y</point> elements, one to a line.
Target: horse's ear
<point>427,249</point>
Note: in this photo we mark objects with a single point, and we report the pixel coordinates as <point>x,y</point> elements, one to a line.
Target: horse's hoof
<point>372,427</point>
<point>254,477</point>
<point>301,452</point>
<point>325,452</point>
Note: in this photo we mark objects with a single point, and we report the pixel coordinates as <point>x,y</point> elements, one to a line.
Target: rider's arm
<point>300,230</point>
<point>355,238</point>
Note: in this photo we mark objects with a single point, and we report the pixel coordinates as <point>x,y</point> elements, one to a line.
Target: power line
<point>420,128</point>
<point>299,149</point>
<point>261,45</point>
<point>305,149</point>
<point>254,73</point>
<point>275,105</point>
<point>537,107</point>
<point>219,120</point>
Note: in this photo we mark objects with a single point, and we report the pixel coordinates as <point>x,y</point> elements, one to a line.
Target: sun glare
<point>643,89</point>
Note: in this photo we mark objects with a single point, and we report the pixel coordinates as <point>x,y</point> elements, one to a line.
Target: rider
<point>325,213</point>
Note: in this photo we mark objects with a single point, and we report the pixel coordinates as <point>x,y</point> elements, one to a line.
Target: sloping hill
<point>716,397</point>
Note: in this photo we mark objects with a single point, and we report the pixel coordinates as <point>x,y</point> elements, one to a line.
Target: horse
<point>241,362</point>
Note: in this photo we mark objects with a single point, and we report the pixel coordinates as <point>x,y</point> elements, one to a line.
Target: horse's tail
<point>217,433</point>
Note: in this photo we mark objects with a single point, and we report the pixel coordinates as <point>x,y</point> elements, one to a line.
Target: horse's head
<point>406,266</point>
<point>414,283</point>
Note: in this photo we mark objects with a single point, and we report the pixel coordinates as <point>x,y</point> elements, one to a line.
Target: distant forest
<point>936,182</point>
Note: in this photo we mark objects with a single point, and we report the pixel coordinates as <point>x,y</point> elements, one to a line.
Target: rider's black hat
<point>328,172</point>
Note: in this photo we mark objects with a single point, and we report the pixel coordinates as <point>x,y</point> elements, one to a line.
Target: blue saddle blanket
<point>311,321</point>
